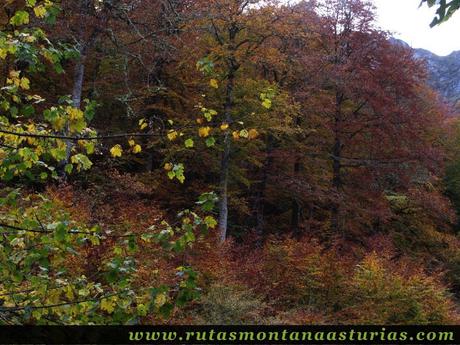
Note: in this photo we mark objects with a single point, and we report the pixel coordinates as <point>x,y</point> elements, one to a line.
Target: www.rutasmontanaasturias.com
<point>291,336</point>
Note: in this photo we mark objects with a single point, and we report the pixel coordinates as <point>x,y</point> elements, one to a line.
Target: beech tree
<point>235,34</point>
<point>373,111</point>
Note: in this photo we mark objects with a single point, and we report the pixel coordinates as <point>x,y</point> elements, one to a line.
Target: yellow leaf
<point>199,121</point>
<point>168,166</point>
<point>210,222</point>
<point>204,132</point>
<point>31,127</point>
<point>116,151</point>
<point>59,123</point>
<point>25,83</point>
<point>236,135</point>
<point>14,74</point>
<point>160,300</point>
<point>142,310</point>
<point>74,113</point>
<point>30,39</point>
<point>69,293</point>
<point>253,134</point>
<point>143,123</point>
<point>54,296</point>
<point>224,126</point>
<point>107,306</point>
<point>172,135</point>
<point>131,143</point>
<point>267,103</point>
<point>137,149</point>
<point>214,83</point>
<point>40,11</point>
<point>244,133</point>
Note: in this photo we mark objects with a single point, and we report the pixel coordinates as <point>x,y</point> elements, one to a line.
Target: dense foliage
<point>221,161</point>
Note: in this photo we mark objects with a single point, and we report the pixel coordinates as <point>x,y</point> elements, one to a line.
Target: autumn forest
<point>222,162</point>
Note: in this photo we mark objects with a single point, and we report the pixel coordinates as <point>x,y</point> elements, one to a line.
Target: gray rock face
<point>444,72</point>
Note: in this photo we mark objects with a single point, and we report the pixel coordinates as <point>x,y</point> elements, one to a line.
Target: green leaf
<point>189,143</point>
<point>211,141</point>
<point>82,162</point>
<point>244,133</point>
<point>210,222</point>
<point>28,110</point>
<point>20,18</point>
<point>68,168</point>
<point>207,201</point>
<point>267,103</point>
<point>89,148</point>
<point>60,233</point>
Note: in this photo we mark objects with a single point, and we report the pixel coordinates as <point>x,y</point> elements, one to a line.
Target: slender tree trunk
<point>77,91</point>
<point>79,76</point>
<point>225,160</point>
<point>80,64</point>
<point>233,67</point>
<point>337,166</point>
<point>336,185</point>
<point>260,197</point>
<point>296,206</point>
<point>149,163</point>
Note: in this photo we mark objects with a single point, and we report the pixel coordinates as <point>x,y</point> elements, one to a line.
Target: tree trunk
<point>260,197</point>
<point>79,72</point>
<point>77,91</point>
<point>337,167</point>
<point>336,185</point>
<point>225,160</point>
<point>79,76</point>
<point>296,207</point>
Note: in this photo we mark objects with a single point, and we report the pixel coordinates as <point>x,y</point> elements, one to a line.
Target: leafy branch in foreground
<point>444,11</point>
<point>41,279</point>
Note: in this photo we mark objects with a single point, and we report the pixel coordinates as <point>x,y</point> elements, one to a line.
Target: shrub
<point>378,294</point>
<point>293,274</point>
<point>225,305</point>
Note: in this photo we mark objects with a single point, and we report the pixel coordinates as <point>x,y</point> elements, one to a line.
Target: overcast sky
<point>411,24</point>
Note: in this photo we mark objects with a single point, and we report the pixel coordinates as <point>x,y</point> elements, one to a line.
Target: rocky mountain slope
<point>444,73</point>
